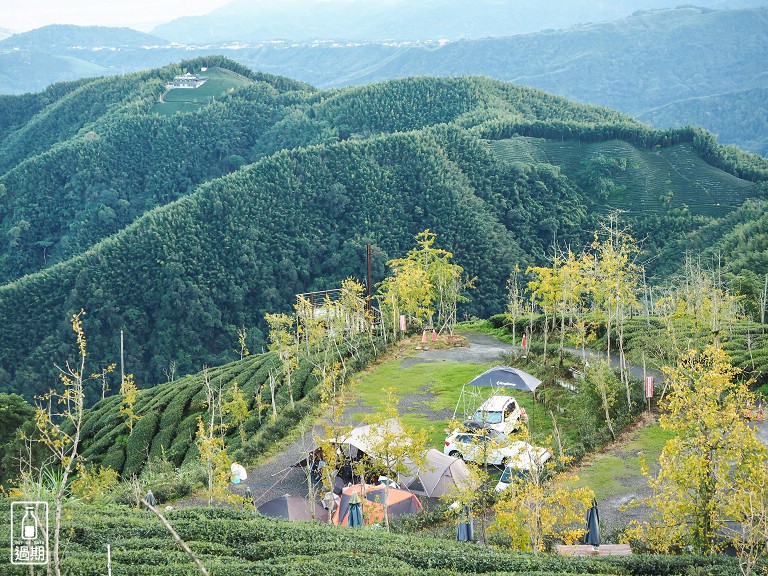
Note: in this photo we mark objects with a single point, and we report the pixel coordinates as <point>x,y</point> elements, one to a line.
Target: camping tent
<point>362,438</point>
<point>293,508</point>
<point>399,502</point>
<point>358,441</point>
<point>439,475</point>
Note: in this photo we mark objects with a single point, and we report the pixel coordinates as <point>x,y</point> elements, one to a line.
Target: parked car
<point>501,413</point>
<point>529,458</point>
<point>483,447</point>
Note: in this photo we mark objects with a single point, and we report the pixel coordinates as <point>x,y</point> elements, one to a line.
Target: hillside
<point>145,220</point>
<point>734,116</point>
<point>660,66</point>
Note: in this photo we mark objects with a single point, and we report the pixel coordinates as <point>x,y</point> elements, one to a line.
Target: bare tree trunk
<point>176,537</point>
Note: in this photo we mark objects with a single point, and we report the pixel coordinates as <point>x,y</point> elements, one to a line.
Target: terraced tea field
<point>652,180</point>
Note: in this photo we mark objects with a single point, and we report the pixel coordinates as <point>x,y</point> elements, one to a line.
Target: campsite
<point>432,481</point>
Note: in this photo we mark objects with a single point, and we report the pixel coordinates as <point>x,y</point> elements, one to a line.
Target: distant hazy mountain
<point>250,20</point>
<point>667,67</point>
<point>4,33</point>
<point>33,60</point>
<point>86,37</point>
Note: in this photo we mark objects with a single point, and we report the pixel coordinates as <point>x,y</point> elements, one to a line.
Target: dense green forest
<point>179,228</point>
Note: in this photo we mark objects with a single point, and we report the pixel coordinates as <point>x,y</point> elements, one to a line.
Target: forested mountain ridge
<point>400,20</point>
<point>113,158</point>
<point>498,171</point>
<point>661,66</point>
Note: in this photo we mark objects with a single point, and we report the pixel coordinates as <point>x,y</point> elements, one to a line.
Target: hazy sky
<point>143,15</point>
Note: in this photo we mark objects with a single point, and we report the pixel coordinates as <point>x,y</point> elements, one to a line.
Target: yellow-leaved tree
<point>59,420</point>
<point>423,285</point>
<point>283,342</point>
<point>713,464</point>
<point>130,393</point>
<point>392,444</point>
<point>236,407</point>
<point>542,503</point>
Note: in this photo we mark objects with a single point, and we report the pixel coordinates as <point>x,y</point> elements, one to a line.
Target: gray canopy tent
<point>440,474</point>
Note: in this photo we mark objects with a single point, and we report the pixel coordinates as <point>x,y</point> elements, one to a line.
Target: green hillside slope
<point>94,160</point>
<point>634,180</point>
<point>169,413</point>
<point>135,219</point>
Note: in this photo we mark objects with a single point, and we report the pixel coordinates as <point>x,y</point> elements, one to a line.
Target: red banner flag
<point>649,386</point>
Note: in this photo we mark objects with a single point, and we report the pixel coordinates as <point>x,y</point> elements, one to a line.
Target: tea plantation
<point>236,542</point>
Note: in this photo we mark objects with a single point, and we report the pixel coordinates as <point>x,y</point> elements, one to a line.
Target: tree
<point>425,283</point>
<point>283,342</point>
<point>130,393</point>
<point>14,411</point>
<point>750,538</point>
<point>237,407</point>
<point>466,498</point>
<point>392,443</point>
<point>213,455</point>
<point>711,464</point>
<point>515,300</point>
<point>242,336</point>
<point>541,504</point>
<point>59,420</point>
<point>209,440</point>
<point>327,459</point>
<point>601,383</point>
<point>613,281</point>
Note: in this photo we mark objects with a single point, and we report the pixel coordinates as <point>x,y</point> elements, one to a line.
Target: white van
<point>501,413</point>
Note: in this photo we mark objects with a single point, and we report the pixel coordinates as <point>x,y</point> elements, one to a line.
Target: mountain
<point>737,117</point>
<point>659,66</point>
<point>32,61</point>
<point>399,20</point>
<point>179,217</point>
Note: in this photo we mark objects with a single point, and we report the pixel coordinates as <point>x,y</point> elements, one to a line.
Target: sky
<point>141,15</point>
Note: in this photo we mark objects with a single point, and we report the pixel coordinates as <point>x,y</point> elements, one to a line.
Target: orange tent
<point>399,502</point>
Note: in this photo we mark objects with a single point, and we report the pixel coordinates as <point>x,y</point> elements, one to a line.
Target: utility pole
<point>368,256</point>
<point>122,365</point>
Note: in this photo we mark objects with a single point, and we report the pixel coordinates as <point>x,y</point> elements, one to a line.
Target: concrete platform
<point>587,550</point>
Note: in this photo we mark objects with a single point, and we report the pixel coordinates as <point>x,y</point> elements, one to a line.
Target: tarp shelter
<point>506,377</point>
<point>357,444</point>
<point>499,377</point>
<point>399,502</point>
<point>439,475</point>
<point>293,508</point>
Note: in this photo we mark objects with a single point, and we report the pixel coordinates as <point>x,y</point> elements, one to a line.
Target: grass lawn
<point>431,391</point>
<point>615,471</point>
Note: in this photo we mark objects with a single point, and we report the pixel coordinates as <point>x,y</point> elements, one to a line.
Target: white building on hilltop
<point>188,81</point>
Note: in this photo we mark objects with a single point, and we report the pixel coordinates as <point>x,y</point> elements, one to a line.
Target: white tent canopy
<point>439,475</point>
<point>364,437</point>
